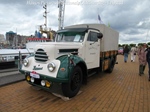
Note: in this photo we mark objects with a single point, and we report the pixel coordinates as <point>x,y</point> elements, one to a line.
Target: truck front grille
<point>40,55</point>
<point>72,51</point>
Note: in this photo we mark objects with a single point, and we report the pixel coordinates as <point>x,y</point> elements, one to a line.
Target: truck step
<point>90,74</point>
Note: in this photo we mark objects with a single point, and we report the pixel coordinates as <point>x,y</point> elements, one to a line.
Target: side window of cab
<point>92,36</point>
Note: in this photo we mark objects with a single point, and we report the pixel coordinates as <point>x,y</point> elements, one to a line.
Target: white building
<point>2,39</point>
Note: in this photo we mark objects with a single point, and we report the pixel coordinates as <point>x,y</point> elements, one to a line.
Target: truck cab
<point>85,40</point>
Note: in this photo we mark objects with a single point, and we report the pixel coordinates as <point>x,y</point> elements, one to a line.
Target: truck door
<point>92,50</point>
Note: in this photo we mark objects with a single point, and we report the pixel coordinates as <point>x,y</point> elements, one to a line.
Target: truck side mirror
<point>100,35</point>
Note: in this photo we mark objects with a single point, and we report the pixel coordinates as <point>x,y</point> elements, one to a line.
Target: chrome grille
<point>40,55</point>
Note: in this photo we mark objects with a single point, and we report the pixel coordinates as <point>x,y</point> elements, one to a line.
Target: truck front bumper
<point>45,82</point>
<point>44,77</point>
<point>50,84</point>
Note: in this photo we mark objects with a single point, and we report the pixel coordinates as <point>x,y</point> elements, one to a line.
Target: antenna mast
<point>61,6</point>
<point>45,15</point>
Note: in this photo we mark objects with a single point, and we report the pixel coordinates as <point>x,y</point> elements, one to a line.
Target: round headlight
<point>4,58</point>
<point>43,83</point>
<point>51,67</point>
<point>25,62</point>
<point>28,78</point>
<point>48,84</point>
<point>32,79</point>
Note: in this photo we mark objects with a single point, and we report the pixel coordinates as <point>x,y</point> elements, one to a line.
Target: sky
<point>130,18</point>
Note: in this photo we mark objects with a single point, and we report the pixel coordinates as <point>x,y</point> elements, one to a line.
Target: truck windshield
<point>70,37</point>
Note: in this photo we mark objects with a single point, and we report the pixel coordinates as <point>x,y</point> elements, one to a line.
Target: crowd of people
<point>143,53</point>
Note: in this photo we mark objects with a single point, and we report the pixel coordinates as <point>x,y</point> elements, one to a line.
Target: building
<point>22,39</point>
<point>11,38</point>
<point>2,41</point>
<point>15,40</point>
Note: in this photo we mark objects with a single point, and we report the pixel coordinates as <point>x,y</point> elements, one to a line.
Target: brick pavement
<point>121,91</point>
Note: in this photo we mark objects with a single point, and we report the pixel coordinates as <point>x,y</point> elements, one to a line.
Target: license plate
<point>35,75</point>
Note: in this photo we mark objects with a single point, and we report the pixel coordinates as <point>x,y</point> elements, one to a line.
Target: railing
<point>10,58</point>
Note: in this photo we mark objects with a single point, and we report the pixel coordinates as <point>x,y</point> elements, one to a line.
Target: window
<point>92,36</point>
<point>70,37</point>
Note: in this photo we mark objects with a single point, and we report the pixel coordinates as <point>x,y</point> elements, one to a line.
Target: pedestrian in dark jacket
<point>126,52</point>
<point>148,60</point>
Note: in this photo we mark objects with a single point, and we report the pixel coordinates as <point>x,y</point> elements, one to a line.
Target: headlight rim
<point>27,61</point>
<point>52,65</point>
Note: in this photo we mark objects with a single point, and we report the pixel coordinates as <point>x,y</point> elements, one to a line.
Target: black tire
<point>72,88</point>
<point>111,65</point>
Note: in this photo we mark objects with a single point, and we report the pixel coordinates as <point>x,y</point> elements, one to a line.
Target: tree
<point>132,45</point>
<point>139,44</point>
<point>148,43</point>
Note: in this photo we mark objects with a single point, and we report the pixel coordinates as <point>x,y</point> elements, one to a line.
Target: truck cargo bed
<point>110,38</point>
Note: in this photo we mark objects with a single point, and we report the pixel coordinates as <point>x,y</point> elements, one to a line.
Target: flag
<point>99,18</point>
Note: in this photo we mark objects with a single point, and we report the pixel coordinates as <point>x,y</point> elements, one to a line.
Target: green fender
<point>67,65</point>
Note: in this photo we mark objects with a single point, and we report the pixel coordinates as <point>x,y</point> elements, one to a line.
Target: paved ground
<point>121,91</point>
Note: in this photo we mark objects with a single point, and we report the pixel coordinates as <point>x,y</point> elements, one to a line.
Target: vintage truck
<point>78,52</point>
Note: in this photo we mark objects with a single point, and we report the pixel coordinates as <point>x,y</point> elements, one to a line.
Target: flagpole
<point>97,14</point>
<point>99,18</point>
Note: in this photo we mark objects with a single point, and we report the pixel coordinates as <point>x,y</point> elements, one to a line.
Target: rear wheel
<point>72,88</point>
<point>111,65</point>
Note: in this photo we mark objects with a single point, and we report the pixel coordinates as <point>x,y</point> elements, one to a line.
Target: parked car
<point>120,50</point>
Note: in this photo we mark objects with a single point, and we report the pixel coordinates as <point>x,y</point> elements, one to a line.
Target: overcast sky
<point>130,18</point>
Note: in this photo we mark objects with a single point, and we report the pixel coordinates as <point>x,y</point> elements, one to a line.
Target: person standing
<point>148,60</point>
<point>133,53</point>
<point>145,47</point>
<point>126,52</point>
<point>142,59</point>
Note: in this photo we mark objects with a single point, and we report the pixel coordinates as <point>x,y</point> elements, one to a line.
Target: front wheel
<point>72,88</point>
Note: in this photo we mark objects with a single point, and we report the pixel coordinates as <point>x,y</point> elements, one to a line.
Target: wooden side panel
<point>105,64</point>
<point>108,53</point>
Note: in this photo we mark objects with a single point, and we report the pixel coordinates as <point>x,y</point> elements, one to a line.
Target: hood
<point>52,50</point>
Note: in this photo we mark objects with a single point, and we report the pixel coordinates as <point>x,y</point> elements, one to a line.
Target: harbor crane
<point>61,6</point>
<point>50,34</point>
<point>45,15</point>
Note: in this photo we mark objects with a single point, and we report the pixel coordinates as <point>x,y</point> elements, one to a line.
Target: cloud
<point>130,18</point>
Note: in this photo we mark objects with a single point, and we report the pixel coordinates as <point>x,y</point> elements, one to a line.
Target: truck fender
<point>81,63</point>
<point>76,72</point>
<point>69,63</point>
